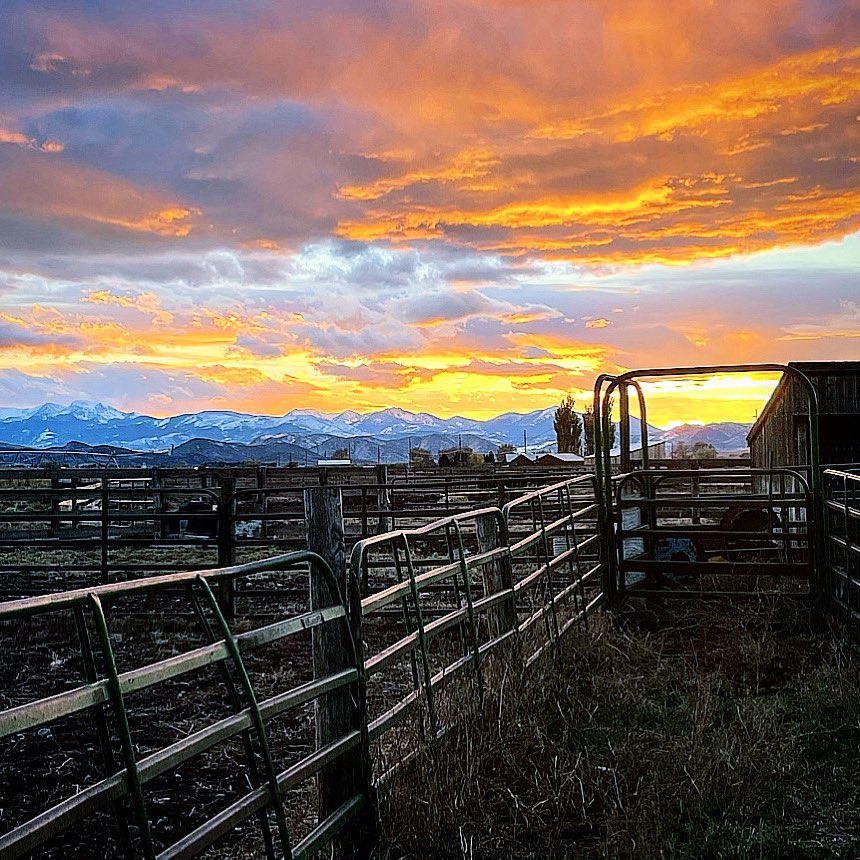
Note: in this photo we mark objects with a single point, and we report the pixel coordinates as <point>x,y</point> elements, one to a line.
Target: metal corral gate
<point>705,532</point>
<point>436,615</point>
<point>842,549</point>
<point>712,532</point>
<point>438,600</point>
<point>62,531</point>
<point>106,697</point>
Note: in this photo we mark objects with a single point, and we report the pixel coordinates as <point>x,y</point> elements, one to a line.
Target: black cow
<point>204,526</point>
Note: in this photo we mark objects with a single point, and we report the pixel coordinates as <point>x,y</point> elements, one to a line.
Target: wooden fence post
<point>696,513</point>
<point>55,506</point>
<point>337,713</point>
<point>383,499</point>
<point>104,531</point>
<point>498,575</point>
<point>161,525</point>
<point>75,482</point>
<point>262,484</point>
<point>226,543</point>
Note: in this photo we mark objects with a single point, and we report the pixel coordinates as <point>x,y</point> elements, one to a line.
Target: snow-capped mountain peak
<point>402,414</point>
<point>46,410</point>
<point>97,424</point>
<point>90,410</point>
<point>348,417</point>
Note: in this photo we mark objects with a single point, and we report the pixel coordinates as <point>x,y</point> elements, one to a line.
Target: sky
<point>465,207</point>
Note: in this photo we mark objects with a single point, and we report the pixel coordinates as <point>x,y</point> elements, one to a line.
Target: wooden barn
<point>656,451</point>
<point>560,460</point>
<point>780,435</point>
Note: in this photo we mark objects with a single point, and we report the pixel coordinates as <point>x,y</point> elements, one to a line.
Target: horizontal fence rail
<point>434,614</point>
<point>133,783</point>
<point>841,490</point>
<point>441,601</point>
<point>65,532</point>
<point>672,529</point>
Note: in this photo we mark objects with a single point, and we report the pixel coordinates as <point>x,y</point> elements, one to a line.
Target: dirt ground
<point>39,767</point>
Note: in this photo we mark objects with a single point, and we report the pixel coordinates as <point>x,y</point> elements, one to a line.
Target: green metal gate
<point>705,532</point>
<point>96,713</point>
<point>712,532</point>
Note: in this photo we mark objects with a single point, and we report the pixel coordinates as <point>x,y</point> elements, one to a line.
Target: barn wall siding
<point>774,440</point>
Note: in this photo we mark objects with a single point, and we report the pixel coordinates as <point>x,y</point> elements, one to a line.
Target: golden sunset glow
<point>464,208</point>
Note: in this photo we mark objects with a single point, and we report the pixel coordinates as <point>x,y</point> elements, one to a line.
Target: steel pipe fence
<point>104,531</point>
<point>842,539</point>
<point>63,537</point>
<point>673,528</point>
<point>434,616</point>
<point>248,732</point>
<point>439,609</point>
<point>442,602</point>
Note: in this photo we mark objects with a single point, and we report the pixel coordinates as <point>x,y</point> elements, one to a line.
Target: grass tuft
<point>695,731</point>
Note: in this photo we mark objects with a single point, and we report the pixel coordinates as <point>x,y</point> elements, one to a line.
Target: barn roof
<point>560,458</point>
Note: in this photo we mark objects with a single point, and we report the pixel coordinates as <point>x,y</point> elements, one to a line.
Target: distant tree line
<point>452,458</point>
<point>696,451</point>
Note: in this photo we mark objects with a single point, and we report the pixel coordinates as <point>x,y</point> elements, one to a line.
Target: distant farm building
<point>515,458</point>
<point>780,436</point>
<point>656,451</point>
<point>542,458</point>
<point>560,460</point>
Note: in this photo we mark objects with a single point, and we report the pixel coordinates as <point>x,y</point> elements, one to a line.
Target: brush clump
<point>694,731</point>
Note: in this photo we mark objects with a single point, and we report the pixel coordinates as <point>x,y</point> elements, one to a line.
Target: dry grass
<point>693,731</point>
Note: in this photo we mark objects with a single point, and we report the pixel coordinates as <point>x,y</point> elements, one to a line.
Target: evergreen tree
<point>612,427</point>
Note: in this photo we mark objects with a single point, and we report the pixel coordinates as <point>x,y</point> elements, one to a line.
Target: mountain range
<point>304,435</point>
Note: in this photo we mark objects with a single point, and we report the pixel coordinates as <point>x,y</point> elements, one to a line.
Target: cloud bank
<point>466,207</point>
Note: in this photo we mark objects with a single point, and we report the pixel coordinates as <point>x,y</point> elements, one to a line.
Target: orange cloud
<point>708,187</point>
<point>147,303</point>
<point>39,186</point>
<point>20,139</point>
<point>463,168</point>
